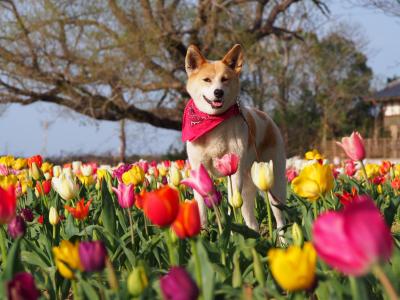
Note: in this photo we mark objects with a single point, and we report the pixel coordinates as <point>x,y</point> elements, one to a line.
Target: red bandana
<point>195,123</point>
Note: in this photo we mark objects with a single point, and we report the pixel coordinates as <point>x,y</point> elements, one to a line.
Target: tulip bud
<point>297,235</point>
<point>137,281</point>
<point>17,227</point>
<point>35,171</point>
<point>237,200</point>
<point>262,175</point>
<point>175,176</point>
<point>54,218</point>
<point>76,166</point>
<point>258,269</point>
<point>237,275</point>
<point>57,171</point>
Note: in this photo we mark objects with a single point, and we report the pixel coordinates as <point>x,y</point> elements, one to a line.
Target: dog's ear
<point>194,59</point>
<point>234,58</point>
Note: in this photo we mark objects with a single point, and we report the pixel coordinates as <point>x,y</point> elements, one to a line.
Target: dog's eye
<point>224,79</point>
<point>207,79</point>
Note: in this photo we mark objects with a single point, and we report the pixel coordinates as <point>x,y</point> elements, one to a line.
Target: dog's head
<point>213,85</point>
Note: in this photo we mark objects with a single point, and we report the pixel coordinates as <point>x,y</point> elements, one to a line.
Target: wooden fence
<point>375,148</point>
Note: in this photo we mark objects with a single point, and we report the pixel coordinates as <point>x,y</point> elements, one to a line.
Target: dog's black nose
<point>218,93</point>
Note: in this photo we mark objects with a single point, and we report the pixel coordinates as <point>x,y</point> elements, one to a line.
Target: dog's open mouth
<point>217,103</point>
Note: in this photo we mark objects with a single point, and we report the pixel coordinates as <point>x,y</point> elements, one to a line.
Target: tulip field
<point>133,231</point>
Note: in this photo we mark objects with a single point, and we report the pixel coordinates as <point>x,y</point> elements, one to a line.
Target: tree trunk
<point>122,139</point>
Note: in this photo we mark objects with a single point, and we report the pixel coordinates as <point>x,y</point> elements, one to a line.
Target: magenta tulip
<point>202,183</point>
<point>354,239</point>
<point>353,146</point>
<point>92,255</point>
<point>178,285</point>
<point>17,227</point>
<point>227,164</point>
<point>125,194</point>
<point>22,286</point>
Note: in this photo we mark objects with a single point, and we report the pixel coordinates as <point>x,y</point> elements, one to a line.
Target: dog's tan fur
<point>241,134</point>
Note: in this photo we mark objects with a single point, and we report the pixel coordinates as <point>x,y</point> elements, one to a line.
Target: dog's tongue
<point>218,103</point>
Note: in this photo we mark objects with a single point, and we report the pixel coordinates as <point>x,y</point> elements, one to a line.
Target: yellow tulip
<point>371,169</point>
<point>35,171</point>
<point>262,174</point>
<point>163,170</point>
<point>397,170</point>
<point>6,181</point>
<point>67,259</point>
<point>86,180</point>
<point>313,181</point>
<point>134,176</point>
<point>7,160</point>
<point>101,173</point>
<point>293,268</point>
<point>19,163</point>
<point>313,154</point>
<point>46,167</point>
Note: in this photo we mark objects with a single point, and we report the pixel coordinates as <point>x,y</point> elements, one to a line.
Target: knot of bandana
<point>196,123</point>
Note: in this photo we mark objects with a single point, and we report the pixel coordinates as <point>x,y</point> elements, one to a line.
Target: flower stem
<point>3,247</point>
<point>197,264</point>
<point>366,176</point>
<point>269,214</point>
<point>172,260</point>
<point>218,217</point>
<point>315,209</point>
<point>75,290</point>
<point>54,232</point>
<point>378,272</point>
<point>355,291</point>
<point>130,222</point>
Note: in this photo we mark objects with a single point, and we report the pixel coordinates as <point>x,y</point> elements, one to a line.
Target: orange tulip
<point>81,210</point>
<point>187,223</point>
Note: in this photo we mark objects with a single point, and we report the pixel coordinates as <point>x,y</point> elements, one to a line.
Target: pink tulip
<point>353,146</point>
<point>350,168</point>
<point>201,181</point>
<point>227,164</point>
<point>291,174</point>
<point>126,197</point>
<point>353,239</point>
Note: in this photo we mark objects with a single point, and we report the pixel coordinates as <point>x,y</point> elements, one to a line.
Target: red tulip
<point>187,223</point>
<point>353,239</point>
<point>347,198</point>
<point>8,204</point>
<point>227,164</point>
<point>395,184</point>
<point>37,159</point>
<point>40,219</point>
<point>353,146</point>
<point>22,286</point>
<point>81,210</point>
<point>46,184</point>
<point>161,206</point>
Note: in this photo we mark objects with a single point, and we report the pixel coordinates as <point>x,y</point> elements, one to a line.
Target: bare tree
<point>389,7</point>
<point>113,60</point>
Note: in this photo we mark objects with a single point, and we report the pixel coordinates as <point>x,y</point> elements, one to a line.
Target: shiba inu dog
<point>214,125</point>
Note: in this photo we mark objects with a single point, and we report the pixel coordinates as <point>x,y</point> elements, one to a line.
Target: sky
<point>23,133</point>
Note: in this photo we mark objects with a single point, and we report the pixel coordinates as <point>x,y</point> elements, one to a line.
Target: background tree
<point>111,59</point>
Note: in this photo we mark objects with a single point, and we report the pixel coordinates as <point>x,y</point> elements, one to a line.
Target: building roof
<point>390,92</point>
